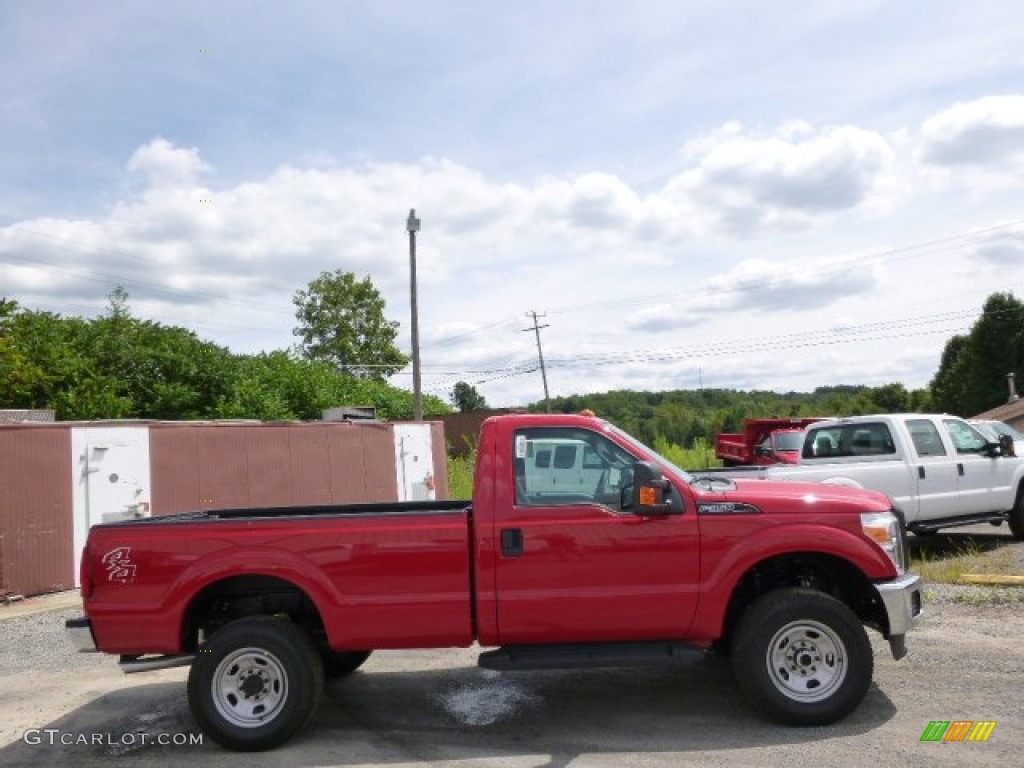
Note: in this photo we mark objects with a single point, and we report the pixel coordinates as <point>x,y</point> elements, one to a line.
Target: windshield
<point>988,430</point>
<point>665,463</point>
<point>1005,429</point>
<point>788,441</point>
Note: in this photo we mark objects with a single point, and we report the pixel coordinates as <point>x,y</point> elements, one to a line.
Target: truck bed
<point>368,570</point>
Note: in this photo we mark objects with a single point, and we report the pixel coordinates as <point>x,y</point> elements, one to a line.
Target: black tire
<point>255,684</point>
<point>342,663</point>
<point>802,657</point>
<point>1016,516</point>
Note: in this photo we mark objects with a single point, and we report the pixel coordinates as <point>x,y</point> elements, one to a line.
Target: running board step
<point>932,526</point>
<point>132,664</point>
<point>577,656</point>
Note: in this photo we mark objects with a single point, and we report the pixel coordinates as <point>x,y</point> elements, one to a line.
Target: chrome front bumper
<point>902,601</point>
<point>80,633</point>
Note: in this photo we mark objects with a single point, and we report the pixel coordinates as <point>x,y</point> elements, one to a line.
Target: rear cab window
<point>841,441</point>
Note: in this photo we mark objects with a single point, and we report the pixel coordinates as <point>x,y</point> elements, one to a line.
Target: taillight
<point>85,573</point>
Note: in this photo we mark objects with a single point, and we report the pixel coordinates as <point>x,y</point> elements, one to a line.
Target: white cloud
<point>163,163</point>
<point>758,284</point>
<point>745,182</point>
<point>987,132</point>
<point>1002,249</point>
<point>661,317</point>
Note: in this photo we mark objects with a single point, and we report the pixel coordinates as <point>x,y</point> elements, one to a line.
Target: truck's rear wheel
<point>255,683</point>
<point>802,657</point>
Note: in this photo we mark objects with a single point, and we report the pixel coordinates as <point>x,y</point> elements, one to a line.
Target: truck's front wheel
<point>802,657</point>
<point>1016,516</point>
<point>255,683</point>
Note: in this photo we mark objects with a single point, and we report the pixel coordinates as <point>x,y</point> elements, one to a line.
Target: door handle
<point>960,469</point>
<point>511,542</point>
<point>920,472</point>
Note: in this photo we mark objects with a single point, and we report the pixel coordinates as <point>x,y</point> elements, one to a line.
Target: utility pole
<point>540,354</point>
<point>412,226</point>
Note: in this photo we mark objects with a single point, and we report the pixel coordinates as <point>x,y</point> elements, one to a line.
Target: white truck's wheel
<point>255,683</point>
<point>1016,516</point>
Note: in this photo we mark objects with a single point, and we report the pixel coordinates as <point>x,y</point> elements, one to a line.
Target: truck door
<point>573,566</point>
<point>935,473</point>
<point>984,482</point>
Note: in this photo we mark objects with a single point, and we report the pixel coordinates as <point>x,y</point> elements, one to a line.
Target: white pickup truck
<point>938,470</point>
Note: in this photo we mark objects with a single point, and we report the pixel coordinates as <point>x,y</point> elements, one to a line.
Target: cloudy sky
<point>735,194</point>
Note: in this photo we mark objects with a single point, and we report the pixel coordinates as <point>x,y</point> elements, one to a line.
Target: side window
<point>966,439</point>
<point>927,441</point>
<point>567,466</point>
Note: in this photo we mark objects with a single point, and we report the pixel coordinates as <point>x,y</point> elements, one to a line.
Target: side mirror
<point>1003,448</point>
<point>1008,446</point>
<point>646,495</point>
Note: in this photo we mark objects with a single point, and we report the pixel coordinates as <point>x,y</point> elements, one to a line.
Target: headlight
<point>884,529</point>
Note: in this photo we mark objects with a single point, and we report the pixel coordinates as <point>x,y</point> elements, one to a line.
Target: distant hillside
<point>682,416</point>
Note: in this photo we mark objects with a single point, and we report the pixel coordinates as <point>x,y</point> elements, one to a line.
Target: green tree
<point>466,398</point>
<point>972,372</point>
<point>342,321</point>
<point>891,398</point>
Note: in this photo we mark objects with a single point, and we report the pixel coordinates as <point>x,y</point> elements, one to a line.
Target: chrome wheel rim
<point>250,687</point>
<point>806,661</point>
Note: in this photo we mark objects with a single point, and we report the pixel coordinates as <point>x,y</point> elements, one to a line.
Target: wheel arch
<point>224,600</point>
<point>823,572</point>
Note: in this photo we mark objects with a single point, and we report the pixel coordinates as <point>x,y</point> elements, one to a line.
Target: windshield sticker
<point>520,446</point>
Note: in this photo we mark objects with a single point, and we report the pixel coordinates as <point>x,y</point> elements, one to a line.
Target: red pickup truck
<point>619,558</point>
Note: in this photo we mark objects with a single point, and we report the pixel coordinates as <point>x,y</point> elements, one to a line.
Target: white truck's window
<point>845,440</point>
<point>926,438</point>
<point>966,439</point>
<point>565,466</point>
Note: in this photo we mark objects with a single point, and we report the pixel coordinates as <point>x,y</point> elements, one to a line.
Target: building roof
<point>1012,410</point>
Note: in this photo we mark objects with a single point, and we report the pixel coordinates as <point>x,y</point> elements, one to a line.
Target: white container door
<point>414,462</point>
<point>111,478</point>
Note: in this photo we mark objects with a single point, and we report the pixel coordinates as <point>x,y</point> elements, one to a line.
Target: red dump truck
<point>610,556</point>
<point>763,441</point>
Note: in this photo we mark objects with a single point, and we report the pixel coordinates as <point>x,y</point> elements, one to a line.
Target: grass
<point>946,559</point>
<point>460,476</point>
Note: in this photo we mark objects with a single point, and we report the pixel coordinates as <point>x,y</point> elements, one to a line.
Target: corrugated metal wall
<point>36,532</point>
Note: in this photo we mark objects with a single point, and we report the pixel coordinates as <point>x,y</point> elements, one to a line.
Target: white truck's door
<point>984,481</point>
<point>935,470</point>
